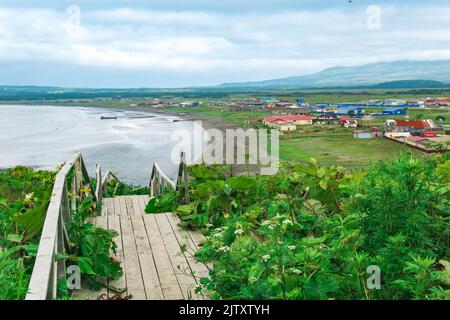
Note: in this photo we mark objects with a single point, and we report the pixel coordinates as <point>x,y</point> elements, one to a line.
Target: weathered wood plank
<point>117,208</point>
<point>169,283</point>
<point>149,273</point>
<point>185,234</point>
<point>135,282</point>
<point>123,206</point>
<point>129,206</point>
<point>183,237</point>
<point>104,208</point>
<point>110,206</point>
<point>114,224</point>
<point>143,200</point>
<point>136,205</point>
<point>178,261</point>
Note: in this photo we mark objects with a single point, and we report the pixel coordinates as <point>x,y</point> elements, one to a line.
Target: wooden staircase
<point>148,245</point>
<point>149,252</point>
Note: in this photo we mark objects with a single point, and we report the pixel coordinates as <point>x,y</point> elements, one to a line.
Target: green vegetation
<point>239,118</point>
<point>24,199</point>
<point>120,188</point>
<point>92,247</point>
<point>311,232</point>
<point>342,150</point>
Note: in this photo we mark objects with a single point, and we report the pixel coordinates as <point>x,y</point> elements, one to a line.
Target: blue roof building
<point>394,112</point>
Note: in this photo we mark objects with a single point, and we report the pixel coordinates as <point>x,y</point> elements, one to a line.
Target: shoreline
<point>208,122</point>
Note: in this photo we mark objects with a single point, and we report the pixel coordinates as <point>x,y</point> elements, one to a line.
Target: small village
<point>366,119</point>
<point>428,135</point>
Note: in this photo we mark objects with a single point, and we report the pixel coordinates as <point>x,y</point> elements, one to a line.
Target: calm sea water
<point>44,136</point>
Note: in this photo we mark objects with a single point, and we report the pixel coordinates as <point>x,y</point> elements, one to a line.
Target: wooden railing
<point>160,182</point>
<point>54,239</point>
<point>67,192</point>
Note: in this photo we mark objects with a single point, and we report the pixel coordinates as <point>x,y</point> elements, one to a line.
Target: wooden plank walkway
<point>148,247</point>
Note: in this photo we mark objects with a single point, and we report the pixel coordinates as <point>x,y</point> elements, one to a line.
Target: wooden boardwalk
<point>149,251</point>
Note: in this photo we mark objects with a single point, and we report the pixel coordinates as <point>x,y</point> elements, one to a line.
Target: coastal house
<point>324,108</point>
<point>287,108</point>
<point>302,102</point>
<point>326,119</point>
<point>287,123</point>
<point>282,125</point>
<point>394,102</point>
<point>188,104</point>
<point>348,122</point>
<point>413,127</point>
<point>443,102</point>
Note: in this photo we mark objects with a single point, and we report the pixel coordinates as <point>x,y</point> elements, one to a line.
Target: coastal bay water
<point>44,136</point>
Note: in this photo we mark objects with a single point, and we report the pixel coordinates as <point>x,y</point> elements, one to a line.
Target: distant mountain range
<point>403,73</point>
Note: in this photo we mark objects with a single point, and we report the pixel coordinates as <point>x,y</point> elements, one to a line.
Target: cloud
<point>218,46</point>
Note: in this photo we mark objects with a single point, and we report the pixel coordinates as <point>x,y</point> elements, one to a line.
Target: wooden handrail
<point>54,239</point>
<point>160,182</point>
<point>109,175</point>
<point>99,185</point>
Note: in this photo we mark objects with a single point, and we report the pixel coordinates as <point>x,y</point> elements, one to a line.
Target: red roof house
<point>416,124</point>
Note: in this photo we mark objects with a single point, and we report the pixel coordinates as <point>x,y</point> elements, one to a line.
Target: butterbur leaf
<point>186,209</point>
<point>16,238</point>
<point>30,249</point>
<point>241,183</point>
<point>85,265</point>
<point>32,221</point>
<point>161,204</point>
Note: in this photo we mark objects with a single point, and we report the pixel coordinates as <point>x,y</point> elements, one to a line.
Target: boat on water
<point>108,118</point>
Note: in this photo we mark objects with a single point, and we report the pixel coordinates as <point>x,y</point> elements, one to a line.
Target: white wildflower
<point>265,258</point>
<point>287,222</point>
<point>238,231</point>
<point>252,280</point>
<point>292,247</point>
<point>217,235</point>
<point>224,249</point>
<point>29,196</point>
<point>296,271</point>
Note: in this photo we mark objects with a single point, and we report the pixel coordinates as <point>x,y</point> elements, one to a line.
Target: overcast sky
<point>174,43</point>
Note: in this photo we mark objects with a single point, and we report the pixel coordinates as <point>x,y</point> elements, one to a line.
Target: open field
<point>344,151</point>
<point>240,118</point>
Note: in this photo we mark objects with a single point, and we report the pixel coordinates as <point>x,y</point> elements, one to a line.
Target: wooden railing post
<point>99,187</point>
<point>186,178</point>
<point>159,182</point>
<point>54,238</point>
